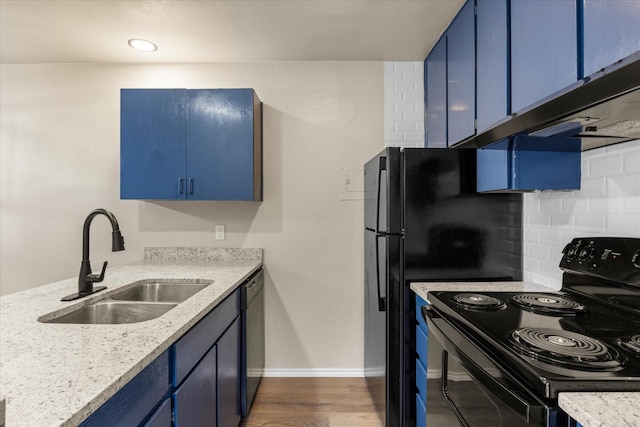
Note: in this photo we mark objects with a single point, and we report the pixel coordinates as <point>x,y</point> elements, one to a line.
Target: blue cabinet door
<point>153,135</point>
<point>435,75</point>
<point>162,417</point>
<point>461,88</point>
<point>491,66</point>
<point>136,400</point>
<point>220,154</point>
<point>544,53</point>
<point>611,32</point>
<point>229,376</point>
<point>194,401</point>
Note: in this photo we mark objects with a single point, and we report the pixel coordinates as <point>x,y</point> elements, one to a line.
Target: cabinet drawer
<point>419,304</point>
<point>421,380</point>
<point>421,412</point>
<point>421,346</point>
<point>194,344</point>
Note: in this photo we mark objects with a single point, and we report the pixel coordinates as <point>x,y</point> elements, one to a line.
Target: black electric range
<point>525,348</point>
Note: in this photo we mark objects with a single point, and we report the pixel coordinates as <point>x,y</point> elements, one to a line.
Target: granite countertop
<point>618,409</point>
<point>599,409</point>
<point>423,288</point>
<point>59,374</point>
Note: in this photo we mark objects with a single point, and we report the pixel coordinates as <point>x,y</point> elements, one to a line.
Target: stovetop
<point>585,337</point>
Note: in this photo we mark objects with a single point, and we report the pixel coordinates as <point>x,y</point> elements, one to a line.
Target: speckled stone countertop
<point>423,288</point>
<point>589,409</point>
<point>59,374</point>
<point>602,409</point>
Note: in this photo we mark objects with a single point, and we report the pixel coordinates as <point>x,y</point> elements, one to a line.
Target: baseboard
<point>304,373</point>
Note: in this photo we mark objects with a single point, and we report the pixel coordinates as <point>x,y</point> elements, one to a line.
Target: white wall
<point>60,159</point>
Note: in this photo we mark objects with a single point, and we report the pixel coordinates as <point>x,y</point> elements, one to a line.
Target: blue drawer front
<point>421,380</point>
<point>421,346</point>
<point>419,304</point>
<point>421,412</point>
<point>133,403</point>
<point>195,343</point>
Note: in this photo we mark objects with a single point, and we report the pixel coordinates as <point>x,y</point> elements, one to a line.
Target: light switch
<point>219,232</point>
<point>351,183</point>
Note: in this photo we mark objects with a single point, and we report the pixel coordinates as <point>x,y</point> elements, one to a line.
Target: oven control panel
<point>611,258</point>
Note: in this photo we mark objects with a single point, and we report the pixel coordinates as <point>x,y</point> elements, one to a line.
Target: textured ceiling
<point>77,31</point>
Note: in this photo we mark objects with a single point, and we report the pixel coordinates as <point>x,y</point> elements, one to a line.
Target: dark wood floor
<point>312,402</point>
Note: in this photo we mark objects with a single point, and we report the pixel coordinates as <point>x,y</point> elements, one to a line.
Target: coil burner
<point>479,302</point>
<point>565,348</point>
<point>549,304</point>
<point>630,343</point>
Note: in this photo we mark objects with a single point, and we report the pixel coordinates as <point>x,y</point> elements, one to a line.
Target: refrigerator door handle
<point>382,166</point>
<point>382,300</point>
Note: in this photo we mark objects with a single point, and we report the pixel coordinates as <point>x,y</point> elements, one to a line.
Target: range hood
<point>601,109</point>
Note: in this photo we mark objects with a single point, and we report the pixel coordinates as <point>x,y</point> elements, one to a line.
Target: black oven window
<point>456,399</point>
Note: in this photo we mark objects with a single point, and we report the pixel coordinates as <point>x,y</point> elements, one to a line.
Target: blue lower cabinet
<point>229,376</point>
<point>132,405</point>
<point>196,382</point>
<point>162,417</point>
<point>194,401</point>
<point>421,412</point>
<point>421,362</point>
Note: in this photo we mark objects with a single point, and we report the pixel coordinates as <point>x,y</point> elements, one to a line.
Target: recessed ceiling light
<point>143,45</point>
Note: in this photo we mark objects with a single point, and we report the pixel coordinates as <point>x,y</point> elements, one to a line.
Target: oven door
<point>466,387</point>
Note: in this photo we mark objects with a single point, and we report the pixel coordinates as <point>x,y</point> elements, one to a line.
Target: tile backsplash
<point>403,104</point>
<point>608,203</point>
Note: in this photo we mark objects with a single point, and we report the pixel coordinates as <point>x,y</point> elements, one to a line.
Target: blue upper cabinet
<point>611,32</point>
<point>203,144</point>
<point>525,163</point>
<point>544,54</point>
<point>461,87</point>
<point>153,132</point>
<point>435,71</point>
<point>491,66</point>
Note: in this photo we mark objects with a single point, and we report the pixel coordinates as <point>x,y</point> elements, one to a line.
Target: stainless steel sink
<point>143,300</point>
<point>161,292</point>
<point>115,312</point>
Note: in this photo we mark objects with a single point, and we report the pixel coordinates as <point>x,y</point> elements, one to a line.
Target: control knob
<point>636,259</point>
<point>585,253</point>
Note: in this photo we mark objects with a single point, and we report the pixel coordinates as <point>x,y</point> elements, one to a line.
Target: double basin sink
<point>143,300</point>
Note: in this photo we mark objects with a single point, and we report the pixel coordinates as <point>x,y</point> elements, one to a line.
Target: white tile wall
<point>608,204</point>
<point>403,104</point>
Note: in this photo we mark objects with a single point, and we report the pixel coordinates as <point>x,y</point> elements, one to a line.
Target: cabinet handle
<point>190,185</point>
<point>181,185</point>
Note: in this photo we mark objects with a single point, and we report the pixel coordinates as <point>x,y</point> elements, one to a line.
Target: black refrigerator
<point>424,221</point>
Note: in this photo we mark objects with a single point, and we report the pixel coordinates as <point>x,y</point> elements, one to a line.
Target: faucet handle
<point>97,278</point>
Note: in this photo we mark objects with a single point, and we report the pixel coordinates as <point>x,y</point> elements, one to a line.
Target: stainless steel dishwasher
<point>252,303</point>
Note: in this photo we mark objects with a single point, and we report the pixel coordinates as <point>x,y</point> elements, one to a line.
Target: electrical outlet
<point>219,232</point>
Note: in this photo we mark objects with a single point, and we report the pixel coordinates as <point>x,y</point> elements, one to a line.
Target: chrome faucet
<point>86,279</point>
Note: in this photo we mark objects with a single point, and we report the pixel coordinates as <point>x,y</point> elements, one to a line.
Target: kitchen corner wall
<point>60,133</point>
<point>608,202</point>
